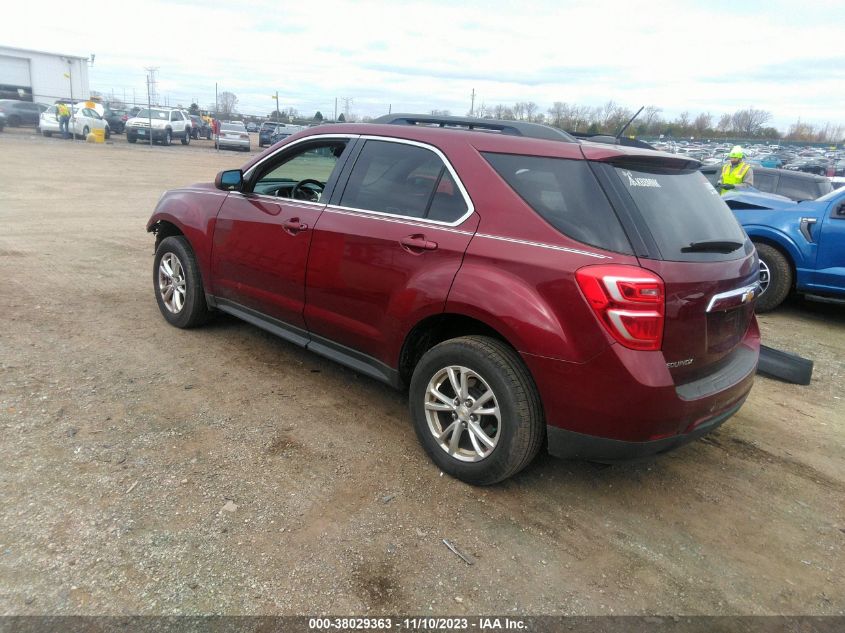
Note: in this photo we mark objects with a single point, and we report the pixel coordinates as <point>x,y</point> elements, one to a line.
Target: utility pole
<point>216,118</point>
<point>152,96</point>
<point>335,110</point>
<point>390,108</point>
<point>472,105</point>
<point>347,101</point>
<point>278,114</point>
<point>149,110</point>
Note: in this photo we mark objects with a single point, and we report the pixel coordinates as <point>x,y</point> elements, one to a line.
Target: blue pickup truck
<point>801,244</point>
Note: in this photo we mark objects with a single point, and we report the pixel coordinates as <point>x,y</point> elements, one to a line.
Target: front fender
<point>193,212</point>
<point>800,254</point>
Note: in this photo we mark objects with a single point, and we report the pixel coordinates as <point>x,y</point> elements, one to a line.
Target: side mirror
<point>229,180</point>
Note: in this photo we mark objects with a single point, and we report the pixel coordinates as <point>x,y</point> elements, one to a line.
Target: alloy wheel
<point>463,413</point>
<point>765,276</point>
<point>171,282</point>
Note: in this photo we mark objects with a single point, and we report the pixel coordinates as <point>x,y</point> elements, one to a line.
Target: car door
<point>262,235</point>
<point>385,251</point>
<point>830,261</point>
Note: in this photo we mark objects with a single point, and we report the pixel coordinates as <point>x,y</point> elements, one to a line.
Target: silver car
<point>233,135</point>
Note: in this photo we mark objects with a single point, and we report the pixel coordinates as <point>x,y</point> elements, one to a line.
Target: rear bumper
<point>572,445</point>
<point>624,404</point>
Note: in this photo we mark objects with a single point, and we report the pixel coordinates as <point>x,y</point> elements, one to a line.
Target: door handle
<point>417,243</point>
<point>294,226</point>
<point>806,223</point>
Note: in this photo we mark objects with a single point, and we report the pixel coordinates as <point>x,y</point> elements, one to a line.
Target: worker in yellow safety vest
<point>737,173</point>
<point>63,115</point>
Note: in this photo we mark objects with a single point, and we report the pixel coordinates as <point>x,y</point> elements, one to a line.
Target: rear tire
<point>131,139</point>
<point>775,278</point>
<point>47,134</point>
<point>178,285</point>
<point>187,138</point>
<point>515,430</point>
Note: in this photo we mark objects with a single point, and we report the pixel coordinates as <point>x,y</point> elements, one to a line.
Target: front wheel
<point>476,409</point>
<point>178,285</point>
<point>168,136</point>
<point>775,278</point>
<point>85,132</point>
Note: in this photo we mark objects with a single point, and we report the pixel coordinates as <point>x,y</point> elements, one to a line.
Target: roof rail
<point>513,128</point>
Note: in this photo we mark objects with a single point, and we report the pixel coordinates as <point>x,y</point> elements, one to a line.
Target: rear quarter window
<point>566,194</point>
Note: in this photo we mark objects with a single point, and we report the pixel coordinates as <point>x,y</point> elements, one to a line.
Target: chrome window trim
<point>441,156</point>
<point>326,137</point>
<point>277,200</point>
<point>553,247</point>
<point>388,217</point>
<point>753,288</point>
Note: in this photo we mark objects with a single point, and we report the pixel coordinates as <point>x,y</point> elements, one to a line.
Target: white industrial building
<point>42,77</point>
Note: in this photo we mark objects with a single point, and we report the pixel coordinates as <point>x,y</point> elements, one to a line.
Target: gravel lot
<point>149,470</point>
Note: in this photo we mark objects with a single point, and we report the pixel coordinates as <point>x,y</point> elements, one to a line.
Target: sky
<point>717,56</point>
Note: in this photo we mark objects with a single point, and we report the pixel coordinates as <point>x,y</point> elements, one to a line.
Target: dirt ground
<point>149,470</point>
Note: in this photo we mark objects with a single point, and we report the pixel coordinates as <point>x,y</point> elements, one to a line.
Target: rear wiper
<point>712,246</point>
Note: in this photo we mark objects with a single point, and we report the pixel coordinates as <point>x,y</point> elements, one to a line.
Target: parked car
<point>233,136</point>
<point>199,127</point>
<point>116,119</point>
<point>83,120</point>
<point>793,185</point>
<point>529,289</point>
<point>252,127</point>
<point>167,124</point>
<point>21,112</point>
<point>268,128</point>
<point>801,245</point>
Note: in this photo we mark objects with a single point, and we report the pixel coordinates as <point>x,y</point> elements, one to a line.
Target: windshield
<point>681,208</point>
<point>153,114</point>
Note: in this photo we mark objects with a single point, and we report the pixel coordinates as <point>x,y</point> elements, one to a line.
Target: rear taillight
<point>629,301</point>
<point>124,118</point>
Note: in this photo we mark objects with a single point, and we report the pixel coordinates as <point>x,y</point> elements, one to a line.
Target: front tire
<point>476,409</point>
<point>178,285</point>
<point>168,136</point>
<point>775,278</point>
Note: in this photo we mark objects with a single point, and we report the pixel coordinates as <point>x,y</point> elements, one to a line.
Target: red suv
<point>528,289</point>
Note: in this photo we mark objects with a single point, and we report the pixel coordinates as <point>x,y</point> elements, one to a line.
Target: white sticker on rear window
<point>640,182</point>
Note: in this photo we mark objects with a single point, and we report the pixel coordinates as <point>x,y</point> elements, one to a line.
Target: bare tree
<point>702,123</point>
<point>531,109</point>
<point>519,110</point>
<point>724,123</point>
<point>441,113</point>
<point>683,120</point>
<point>749,122</point>
<point>557,112</point>
<point>227,101</point>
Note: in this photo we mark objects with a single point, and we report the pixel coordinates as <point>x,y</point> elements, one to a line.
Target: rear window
<point>233,127</point>
<point>566,194</point>
<point>681,208</point>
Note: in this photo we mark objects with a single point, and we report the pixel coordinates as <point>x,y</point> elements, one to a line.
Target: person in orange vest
<point>737,174</point>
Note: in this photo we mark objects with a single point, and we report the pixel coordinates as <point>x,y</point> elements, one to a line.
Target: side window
<point>175,116</point>
<point>303,174</point>
<point>565,194</point>
<point>403,179</point>
<point>764,181</point>
<point>794,188</point>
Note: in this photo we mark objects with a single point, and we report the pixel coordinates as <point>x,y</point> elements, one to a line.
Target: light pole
<point>278,114</point>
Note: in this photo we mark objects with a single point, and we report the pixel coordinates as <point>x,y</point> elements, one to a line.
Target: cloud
<point>677,54</point>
